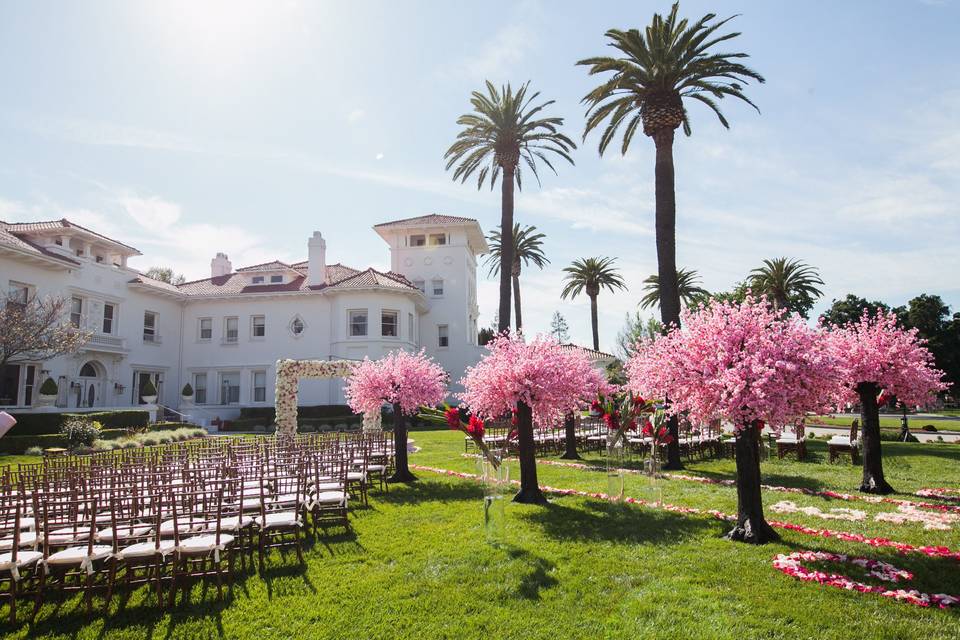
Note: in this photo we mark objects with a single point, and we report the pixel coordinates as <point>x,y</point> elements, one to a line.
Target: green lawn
<point>889,423</point>
<point>416,565</point>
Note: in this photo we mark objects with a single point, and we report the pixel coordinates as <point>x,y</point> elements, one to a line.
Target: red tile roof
<point>274,265</point>
<point>10,238</point>
<point>340,276</point>
<point>63,223</point>
<point>593,354</point>
<point>428,220</point>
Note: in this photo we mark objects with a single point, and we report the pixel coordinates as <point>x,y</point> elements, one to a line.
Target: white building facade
<point>224,334</point>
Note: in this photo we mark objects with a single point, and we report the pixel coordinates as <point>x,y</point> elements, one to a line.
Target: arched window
<point>88,371</point>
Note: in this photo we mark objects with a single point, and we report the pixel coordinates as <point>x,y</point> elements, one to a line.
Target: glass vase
<point>496,490</point>
<point>615,460</point>
<point>653,493</point>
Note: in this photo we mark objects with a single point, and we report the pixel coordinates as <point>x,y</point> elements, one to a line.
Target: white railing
<point>105,340</point>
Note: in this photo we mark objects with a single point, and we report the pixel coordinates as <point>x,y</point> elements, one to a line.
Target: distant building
<point>223,334</point>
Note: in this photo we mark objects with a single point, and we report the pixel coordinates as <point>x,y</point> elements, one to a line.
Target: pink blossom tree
<point>540,380</point>
<point>744,363</point>
<point>405,380</point>
<point>875,355</point>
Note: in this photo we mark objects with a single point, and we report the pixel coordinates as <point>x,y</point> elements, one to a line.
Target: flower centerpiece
<point>621,412</point>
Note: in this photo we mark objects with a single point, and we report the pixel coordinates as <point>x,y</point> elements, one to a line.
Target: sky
<point>186,128</point>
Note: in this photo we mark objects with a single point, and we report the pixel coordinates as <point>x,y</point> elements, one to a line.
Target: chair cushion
<point>145,549</point>
<point>330,497</point>
<point>125,533</point>
<point>328,486</point>
<point>235,523</point>
<point>78,555</point>
<point>24,558</point>
<point>27,539</point>
<point>166,528</point>
<point>279,519</point>
<point>207,542</point>
<point>66,535</point>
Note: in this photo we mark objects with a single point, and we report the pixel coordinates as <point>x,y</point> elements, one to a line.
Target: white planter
<point>45,400</point>
<point>186,399</point>
<point>149,399</point>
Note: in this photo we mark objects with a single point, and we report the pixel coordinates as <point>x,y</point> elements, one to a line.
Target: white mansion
<point>223,334</point>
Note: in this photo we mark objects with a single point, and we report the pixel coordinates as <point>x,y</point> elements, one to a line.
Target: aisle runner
<point>902,547</point>
<point>770,487</point>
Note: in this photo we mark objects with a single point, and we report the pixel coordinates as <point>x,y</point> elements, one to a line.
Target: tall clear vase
<point>615,461</point>
<point>496,489</point>
<point>653,492</point>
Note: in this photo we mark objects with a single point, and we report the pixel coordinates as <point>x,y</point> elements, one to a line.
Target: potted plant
<point>48,392</point>
<point>148,392</point>
<point>186,394</point>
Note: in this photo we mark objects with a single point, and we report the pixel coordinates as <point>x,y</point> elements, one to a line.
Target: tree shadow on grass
<point>536,572</point>
<point>602,521</point>
<point>431,491</point>
<point>780,479</point>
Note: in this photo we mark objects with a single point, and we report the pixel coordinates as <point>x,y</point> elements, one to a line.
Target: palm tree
<point>790,284</point>
<point>656,70</point>
<point>688,284</point>
<point>501,131</point>
<point>527,249</point>
<point>590,275</point>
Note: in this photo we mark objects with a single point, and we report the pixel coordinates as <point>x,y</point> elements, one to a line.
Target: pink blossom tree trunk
<point>570,437</point>
<point>751,525</point>
<point>873,480</point>
<point>401,471</point>
<point>529,486</point>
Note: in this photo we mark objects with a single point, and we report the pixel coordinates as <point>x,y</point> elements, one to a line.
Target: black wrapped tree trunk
<point>529,487</point>
<point>873,480</point>
<point>401,471</point>
<point>751,526</point>
<point>570,437</point>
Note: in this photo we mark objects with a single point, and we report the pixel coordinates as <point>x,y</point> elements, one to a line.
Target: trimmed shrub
<point>80,432</point>
<point>187,390</point>
<point>49,387</point>
<point>51,423</point>
<point>148,389</point>
<point>34,451</point>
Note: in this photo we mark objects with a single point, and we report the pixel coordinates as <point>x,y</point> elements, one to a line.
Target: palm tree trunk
<point>506,247</point>
<point>516,303</point>
<point>666,228</point>
<point>873,480</point>
<point>593,322</point>
<point>402,470</point>
<point>529,487</point>
<point>751,525</point>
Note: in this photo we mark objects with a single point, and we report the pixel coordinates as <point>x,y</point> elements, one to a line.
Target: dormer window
<point>257,279</point>
<point>418,240</point>
<point>276,279</point>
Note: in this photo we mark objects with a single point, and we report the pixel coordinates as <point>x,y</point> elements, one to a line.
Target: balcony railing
<point>105,341</point>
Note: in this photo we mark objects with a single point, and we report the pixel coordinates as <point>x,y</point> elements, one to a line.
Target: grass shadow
<point>538,575</point>
<point>602,521</point>
<point>429,490</point>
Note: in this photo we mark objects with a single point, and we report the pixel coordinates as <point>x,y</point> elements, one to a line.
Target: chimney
<point>316,260</point>
<point>220,266</point>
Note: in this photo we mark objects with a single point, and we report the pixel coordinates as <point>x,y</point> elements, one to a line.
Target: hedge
<point>315,424</point>
<point>29,424</point>
<point>20,443</point>
<point>317,411</point>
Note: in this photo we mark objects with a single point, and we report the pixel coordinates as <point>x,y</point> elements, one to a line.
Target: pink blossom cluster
<point>943,493</point>
<point>744,363</point>
<point>552,380</point>
<point>793,565</point>
<point>876,350</point>
<point>408,379</point>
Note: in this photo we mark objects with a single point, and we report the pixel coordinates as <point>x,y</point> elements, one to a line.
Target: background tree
<point>850,309</point>
<point>527,249</point>
<point>501,131</point>
<point>485,335</point>
<point>656,71</point>
<point>36,329</point>
<point>590,275</point>
<point>535,380</point>
<point>688,284</point>
<point>636,328</point>
<point>405,380</point>
<point>877,355</point>
<point>789,284</point>
<point>559,328</point>
<point>165,274</point>
<point>747,364</point>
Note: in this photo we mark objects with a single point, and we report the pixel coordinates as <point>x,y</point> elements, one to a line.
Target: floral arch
<point>289,373</point>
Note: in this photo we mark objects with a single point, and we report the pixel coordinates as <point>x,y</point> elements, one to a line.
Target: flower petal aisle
<point>788,506</point>
<point>794,565</point>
